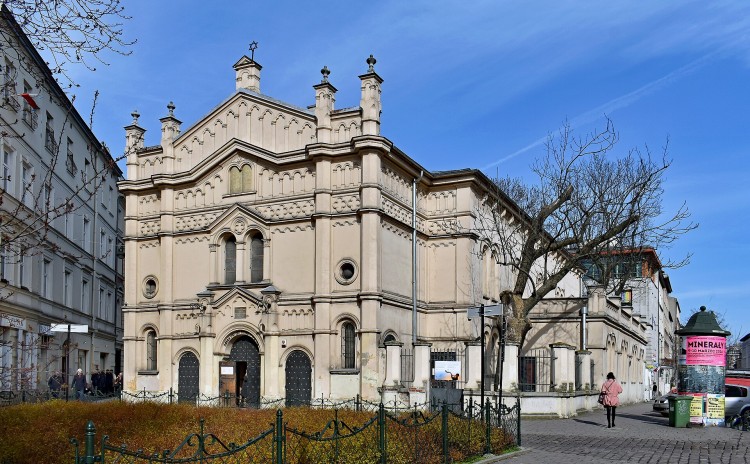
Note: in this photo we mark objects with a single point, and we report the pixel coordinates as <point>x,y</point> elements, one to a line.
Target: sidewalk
<point>640,435</point>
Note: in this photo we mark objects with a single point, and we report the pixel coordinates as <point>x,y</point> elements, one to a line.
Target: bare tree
<point>588,209</point>
<point>70,32</point>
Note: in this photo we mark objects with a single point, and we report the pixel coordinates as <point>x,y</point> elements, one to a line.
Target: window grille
<point>151,350</point>
<point>230,261</point>
<point>348,345</point>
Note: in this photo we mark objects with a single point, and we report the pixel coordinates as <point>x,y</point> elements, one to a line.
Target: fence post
<point>279,437</point>
<point>170,395</point>
<point>487,428</point>
<point>381,433</point>
<point>444,412</point>
<point>518,420</point>
<point>89,457</point>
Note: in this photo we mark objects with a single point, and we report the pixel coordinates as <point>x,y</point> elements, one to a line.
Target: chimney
<point>247,74</point>
<point>370,101</point>
<point>325,97</point>
<point>170,130</point>
<point>134,135</point>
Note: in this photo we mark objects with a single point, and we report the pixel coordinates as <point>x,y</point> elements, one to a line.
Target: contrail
<point>615,104</point>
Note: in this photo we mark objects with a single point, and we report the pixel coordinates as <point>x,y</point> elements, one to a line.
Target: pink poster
<point>706,350</point>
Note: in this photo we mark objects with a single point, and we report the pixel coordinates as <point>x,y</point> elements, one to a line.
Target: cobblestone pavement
<point>640,435</point>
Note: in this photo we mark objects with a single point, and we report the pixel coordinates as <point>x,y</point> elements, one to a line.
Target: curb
<point>490,458</point>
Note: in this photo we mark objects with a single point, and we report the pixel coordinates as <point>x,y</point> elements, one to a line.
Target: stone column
<point>473,369</point>
<point>392,381</point>
<point>420,390</point>
<point>510,366</point>
<point>584,358</point>
<point>240,260</point>
<point>563,373</point>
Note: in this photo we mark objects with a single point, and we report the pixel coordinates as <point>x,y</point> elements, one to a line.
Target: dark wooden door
<point>188,378</point>
<point>246,356</point>
<point>298,379</point>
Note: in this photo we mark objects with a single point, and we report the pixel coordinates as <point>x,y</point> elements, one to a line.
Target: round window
<point>346,272</point>
<point>150,286</point>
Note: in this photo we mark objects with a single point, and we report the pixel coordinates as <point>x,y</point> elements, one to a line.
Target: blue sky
<point>480,84</point>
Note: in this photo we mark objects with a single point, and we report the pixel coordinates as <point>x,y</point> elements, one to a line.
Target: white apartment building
<point>60,218</point>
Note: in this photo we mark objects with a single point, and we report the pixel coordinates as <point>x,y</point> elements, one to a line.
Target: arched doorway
<point>188,378</point>
<point>246,358</point>
<point>298,379</point>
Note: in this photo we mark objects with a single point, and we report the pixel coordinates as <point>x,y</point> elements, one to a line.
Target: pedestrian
<point>611,391</point>
<point>654,392</point>
<point>79,384</point>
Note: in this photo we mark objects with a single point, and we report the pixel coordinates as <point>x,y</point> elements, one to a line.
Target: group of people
<point>102,382</point>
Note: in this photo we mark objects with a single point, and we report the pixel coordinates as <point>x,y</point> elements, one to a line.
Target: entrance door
<point>298,379</point>
<point>246,358</point>
<point>188,378</point>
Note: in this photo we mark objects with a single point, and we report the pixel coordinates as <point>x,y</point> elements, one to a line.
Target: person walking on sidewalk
<point>611,390</point>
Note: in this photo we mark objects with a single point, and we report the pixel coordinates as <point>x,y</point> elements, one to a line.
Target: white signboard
<point>447,370</point>
<point>74,328</point>
<point>493,310</point>
<point>227,370</point>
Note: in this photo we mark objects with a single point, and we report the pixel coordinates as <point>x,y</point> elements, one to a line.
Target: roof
<point>745,338</point>
<point>703,323</point>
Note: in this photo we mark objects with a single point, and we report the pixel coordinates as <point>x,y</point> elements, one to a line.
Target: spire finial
<point>135,114</point>
<point>325,72</point>
<point>253,47</point>
<point>171,108</point>
<point>371,63</point>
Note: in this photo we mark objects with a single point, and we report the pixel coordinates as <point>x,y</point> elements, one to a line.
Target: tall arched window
<point>240,180</point>
<point>348,345</point>
<point>151,350</point>
<point>256,258</point>
<point>230,260</point>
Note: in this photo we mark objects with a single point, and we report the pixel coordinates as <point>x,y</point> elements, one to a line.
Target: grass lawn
<point>40,433</point>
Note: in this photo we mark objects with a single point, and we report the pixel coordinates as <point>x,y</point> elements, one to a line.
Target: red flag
<point>30,100</point>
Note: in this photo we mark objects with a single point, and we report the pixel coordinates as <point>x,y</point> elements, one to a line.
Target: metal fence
<point>13,397</point>
<point>412,436</point>
<point>536,371</point>
<point>407,367</point>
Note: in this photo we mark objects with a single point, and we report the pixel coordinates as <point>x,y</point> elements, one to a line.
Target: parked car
<point>736,400</point>
<point>661,404</point>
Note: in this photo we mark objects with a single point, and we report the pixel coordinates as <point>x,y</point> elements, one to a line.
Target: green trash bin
<point>679,410</point>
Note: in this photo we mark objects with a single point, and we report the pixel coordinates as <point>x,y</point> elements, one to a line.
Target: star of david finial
<point>253,47</point>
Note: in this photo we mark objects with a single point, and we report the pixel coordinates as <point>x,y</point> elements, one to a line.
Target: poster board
<point>447,370</point>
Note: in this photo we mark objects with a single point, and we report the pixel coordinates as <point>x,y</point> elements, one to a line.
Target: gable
<point>251,118</point>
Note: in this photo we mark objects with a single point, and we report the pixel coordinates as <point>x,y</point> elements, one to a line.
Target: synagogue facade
<point>269,253</point>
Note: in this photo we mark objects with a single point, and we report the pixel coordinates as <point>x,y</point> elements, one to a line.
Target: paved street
<point>639,436</point>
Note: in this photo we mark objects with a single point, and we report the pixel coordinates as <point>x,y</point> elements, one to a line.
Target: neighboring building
<point>59,217</point>
<point>734,355</point>
<point>269,254</point>
<point>744,362</point>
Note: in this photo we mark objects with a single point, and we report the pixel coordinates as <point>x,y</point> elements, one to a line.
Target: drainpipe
<point>584,315</point>
<point>414,257</point>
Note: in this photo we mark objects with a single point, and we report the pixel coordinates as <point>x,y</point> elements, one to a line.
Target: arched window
<point>256,258</point>
<point>151,350</point>
<point>230,260</point>
<point>240,180</point>
<point>348,345</point>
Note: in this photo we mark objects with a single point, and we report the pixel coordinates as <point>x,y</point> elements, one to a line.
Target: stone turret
<point>134,136</point>
<point>248,74</point>
<point>370,101</point>
<point>170,130</point>
<point>325,97</point>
